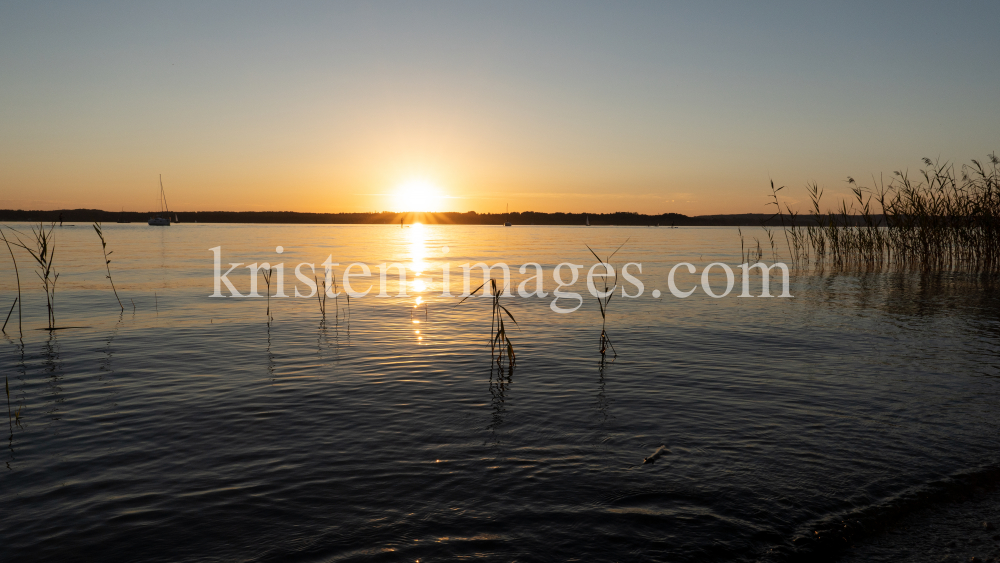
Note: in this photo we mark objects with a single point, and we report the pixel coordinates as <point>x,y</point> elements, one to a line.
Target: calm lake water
<point>191,429</point>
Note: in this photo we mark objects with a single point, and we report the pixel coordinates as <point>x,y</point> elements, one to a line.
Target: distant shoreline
<point>392,218</point>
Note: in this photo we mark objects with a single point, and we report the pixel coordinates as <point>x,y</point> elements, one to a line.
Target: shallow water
<point>190,428</point>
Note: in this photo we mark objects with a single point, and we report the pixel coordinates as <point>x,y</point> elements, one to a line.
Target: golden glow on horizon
<point>417,195</point>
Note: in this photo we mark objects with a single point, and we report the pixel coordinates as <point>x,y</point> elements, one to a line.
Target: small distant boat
<point>507,222</point>
<point>586,220</point>
<point>161,219</point>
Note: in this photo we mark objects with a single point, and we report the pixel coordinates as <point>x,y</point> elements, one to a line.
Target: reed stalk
<point>268,274</point>
<point>500,344</point>
<point>321,296</point>
<point>107,261</point>
<point>43,252</point>
<point>774,201</point>
<point>602,302</point>
<point>9,313</point>
<point>17,275</point>
<point>750,255</point>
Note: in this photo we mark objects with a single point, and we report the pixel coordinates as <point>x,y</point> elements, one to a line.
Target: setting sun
<point>417,195</point>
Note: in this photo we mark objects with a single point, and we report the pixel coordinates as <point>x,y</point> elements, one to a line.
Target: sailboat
<point>586,220</point>
<point>161,219</point>
<point>507,222</point>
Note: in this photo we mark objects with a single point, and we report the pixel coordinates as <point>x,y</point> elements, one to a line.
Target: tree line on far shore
<point>391,217</point>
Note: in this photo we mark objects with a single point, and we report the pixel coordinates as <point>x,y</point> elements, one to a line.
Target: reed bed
<point>941,220</point>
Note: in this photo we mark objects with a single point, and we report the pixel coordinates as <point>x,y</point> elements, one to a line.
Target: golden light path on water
<point>418,263</point>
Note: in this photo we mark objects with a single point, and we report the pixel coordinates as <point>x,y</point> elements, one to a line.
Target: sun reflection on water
<point>418,248</point>
<point>418,235</point>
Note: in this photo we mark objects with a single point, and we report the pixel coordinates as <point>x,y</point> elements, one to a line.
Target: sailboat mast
<point>163,197</point>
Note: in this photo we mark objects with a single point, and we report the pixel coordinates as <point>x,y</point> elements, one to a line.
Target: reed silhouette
<point>321,297</point>
<point>500,344</point>
<point>604,299</point>
<point>43,250</point>
<point>107,261</point>
<point>9,313</point>
<point>942,220</point>
<point>17,300</point>
<point>749,255</point>
<point>268,274</point>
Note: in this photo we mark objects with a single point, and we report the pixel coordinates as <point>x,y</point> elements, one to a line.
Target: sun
<point>417,195</point>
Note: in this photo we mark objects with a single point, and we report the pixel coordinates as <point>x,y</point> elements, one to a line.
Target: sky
<point>652,107</point>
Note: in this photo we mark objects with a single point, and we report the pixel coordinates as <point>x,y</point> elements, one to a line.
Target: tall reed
<point>750,255</point>
<point>107,261</point>
<point>321,297</point>
<point>268,274</point>
<point>336,296</point>
<point>602,302</point>
<point>9,313</point>
<point>43,251</point>
<point>17,275</point>
<point>941,220</point>
<point>500,344</point>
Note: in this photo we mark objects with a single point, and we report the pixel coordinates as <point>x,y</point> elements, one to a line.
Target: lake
<point>194,428</point>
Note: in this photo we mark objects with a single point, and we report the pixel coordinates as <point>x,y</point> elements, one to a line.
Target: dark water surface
<point>192,429</point>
